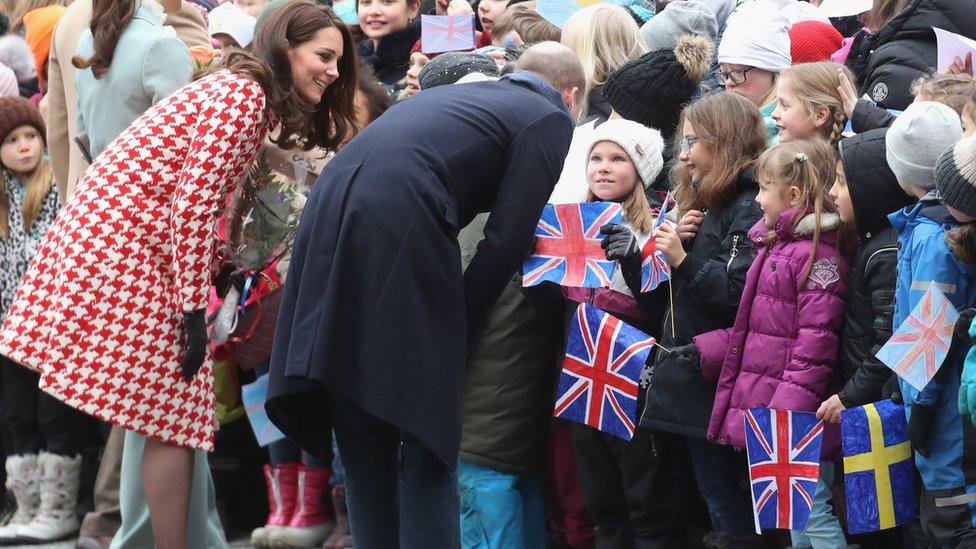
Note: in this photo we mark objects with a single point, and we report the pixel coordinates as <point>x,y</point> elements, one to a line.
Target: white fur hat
<point>230,20</point>
<point>757,35</point>
<point>16,54</point>
<point>644,145</point>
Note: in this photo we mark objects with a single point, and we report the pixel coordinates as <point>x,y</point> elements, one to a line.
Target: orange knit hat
<point>40,25</point>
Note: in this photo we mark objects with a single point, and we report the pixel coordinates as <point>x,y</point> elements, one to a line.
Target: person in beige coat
<point>62,98</point>
<point>100,525</point>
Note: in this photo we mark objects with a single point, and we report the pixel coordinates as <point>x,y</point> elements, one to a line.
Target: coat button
<point>735,350</point>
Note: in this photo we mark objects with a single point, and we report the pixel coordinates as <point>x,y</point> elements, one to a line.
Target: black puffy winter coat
<point>707,287</point>
<point>888,61</point>
<point>871,284</point>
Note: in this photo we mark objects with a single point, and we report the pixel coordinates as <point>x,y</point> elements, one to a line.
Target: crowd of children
<point>818,175</point>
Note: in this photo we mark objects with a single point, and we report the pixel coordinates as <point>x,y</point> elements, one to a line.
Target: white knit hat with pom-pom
<point>644,146</point>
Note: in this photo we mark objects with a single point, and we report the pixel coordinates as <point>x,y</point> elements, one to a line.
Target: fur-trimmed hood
<point>804,229</point>
<point>16,54</point>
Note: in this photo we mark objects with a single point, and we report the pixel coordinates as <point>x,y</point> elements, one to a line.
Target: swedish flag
<point>878,467</point>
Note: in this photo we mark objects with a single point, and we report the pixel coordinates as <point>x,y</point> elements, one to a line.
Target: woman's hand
<point>689,224</point>
<point>667,242</point>
<point>848,93</point>
<point>830,410</point>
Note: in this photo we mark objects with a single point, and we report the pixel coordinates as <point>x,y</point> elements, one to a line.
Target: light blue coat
<point>149,63</point>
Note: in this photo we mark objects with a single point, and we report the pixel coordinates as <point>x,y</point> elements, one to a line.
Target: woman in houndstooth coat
<point>110,313</point>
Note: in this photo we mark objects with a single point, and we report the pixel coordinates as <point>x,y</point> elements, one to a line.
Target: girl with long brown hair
<point>111,313</point>
<point>719,138</point>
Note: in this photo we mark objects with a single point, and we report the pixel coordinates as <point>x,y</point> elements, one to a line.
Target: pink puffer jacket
<point>782,350</point>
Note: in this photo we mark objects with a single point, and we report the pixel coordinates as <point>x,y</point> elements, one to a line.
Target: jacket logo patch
<point>823,273</point>
<point>880,92</point>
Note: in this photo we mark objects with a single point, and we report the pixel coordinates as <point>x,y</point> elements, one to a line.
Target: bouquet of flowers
<point>258,232</point>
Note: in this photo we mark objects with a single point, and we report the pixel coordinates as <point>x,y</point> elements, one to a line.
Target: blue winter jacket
<point>924,258</point>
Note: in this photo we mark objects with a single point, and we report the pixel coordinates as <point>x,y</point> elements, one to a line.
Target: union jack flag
<point>567,249</point>
<point>654,267</point>
<point>440,33</point>
<point>598,384</point>
<point>918,348</point>
<point>784,463</point>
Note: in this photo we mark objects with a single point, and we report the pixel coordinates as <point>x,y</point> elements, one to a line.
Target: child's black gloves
<point>686,356</point>
<point>920,427</point>
<point>619,244</point>
<point>195,343</point>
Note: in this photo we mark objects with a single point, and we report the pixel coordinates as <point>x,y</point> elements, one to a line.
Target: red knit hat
<point>812,41</point>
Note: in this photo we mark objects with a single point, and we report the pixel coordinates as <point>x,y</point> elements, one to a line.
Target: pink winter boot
<point>282,483</point>
<point>312,520</point>
<point>341,537</point>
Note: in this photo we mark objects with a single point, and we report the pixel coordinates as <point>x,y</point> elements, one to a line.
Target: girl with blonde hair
<point>809,104</point>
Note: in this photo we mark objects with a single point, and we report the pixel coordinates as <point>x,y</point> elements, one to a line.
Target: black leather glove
<point>920,427</point>
<point>892,390</point>
<point>194,342</point>
<point>227,279</point>
<point>620,244</point>
<point>687,356</point>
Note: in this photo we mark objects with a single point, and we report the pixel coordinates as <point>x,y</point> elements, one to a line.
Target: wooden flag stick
<point>665,349</point>
<point>671,295</point>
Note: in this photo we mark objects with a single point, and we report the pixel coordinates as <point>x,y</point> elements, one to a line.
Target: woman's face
<point>315,63</point>
<point>489,11</point>
<point>379,18</point>
<point>696,154</point>
<point>758,84</point>
<point>21,150</point>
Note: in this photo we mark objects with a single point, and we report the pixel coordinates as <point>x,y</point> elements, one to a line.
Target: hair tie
<point>801,158</point>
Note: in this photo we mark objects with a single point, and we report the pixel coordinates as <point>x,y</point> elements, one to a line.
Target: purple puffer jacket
<point>782,350</point>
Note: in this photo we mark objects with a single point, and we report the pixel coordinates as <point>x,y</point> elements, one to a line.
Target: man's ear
<point>571,100</point>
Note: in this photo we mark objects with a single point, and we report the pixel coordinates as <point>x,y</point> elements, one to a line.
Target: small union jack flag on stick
<point>567,249</point>
<point>918,348</point>
<point>598,384</point>
<point>784,464</point>
<point>440,33</point>
<point>654,267</point>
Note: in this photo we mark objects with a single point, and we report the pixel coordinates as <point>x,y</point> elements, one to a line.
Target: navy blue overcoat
<point>375,306</point>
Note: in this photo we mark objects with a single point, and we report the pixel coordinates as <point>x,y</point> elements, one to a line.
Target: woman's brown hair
<point>109,19</point>
<point>733,128</point>
<point>883,11</point>
<point>303,124</point>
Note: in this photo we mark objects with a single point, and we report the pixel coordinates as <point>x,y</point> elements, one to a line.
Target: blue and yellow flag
<point>878,467</point>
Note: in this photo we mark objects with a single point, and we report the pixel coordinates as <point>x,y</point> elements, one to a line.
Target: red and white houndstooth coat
<point>99,312</point>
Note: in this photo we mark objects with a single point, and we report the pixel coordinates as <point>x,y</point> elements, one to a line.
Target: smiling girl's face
<point>379,18</point>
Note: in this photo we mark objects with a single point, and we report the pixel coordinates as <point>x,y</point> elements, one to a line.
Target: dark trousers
<point>723,479</point>
<point>400,495</point>
<point>37,421</point>
<point>627,489</point>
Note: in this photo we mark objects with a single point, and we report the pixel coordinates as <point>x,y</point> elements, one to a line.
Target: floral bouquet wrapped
<point>257,234</point>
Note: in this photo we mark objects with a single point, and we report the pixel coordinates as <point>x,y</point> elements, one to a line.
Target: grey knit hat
<point>955,176</point>
<point>918,138</point>
<point>680,17</point>
<point>448,68</point>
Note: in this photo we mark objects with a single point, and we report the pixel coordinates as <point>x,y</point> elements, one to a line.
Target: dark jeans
<point>628,489</point>
<point>400,495</point>
<point>723,479</point>
<point>37,421</point>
